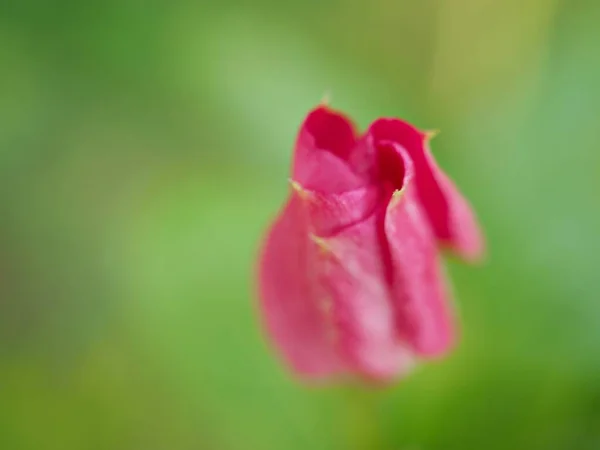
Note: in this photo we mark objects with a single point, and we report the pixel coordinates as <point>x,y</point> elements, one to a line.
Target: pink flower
<point>349,276</point>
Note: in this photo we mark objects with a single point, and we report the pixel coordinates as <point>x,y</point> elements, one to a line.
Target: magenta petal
<point>417,284</point>
<point>328,157</point>
<point>290,297</point>
<point>329,214</point>
<point>353,276</point>
<point>447,210</point>
<point>419,291</point>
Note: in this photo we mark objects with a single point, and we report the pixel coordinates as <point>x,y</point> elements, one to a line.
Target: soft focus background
<point>144,147</point>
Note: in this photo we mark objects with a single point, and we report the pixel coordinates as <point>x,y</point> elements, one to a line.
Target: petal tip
<point>302,193</point>
<point>475,254</point>
<point>472,252</point>
<point>321,243</point>
<point>325,99</point>
<point>428,135</point>
<point>396,197</point>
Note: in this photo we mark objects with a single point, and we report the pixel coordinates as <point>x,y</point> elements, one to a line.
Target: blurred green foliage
<point>144,147</point>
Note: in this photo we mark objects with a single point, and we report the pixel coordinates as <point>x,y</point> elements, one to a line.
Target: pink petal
<point>328,158</point>
<point>419,293</point>
<point>290,297</point>
<point>329,214</point>
<point>352,274</point>
<point>447,210</point>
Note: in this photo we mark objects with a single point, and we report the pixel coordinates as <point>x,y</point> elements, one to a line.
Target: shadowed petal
<point>290,296</point>
<point>447,210</point>
<point>328,157</point>
<point>351,272</point>
<point>329,214</point>
<point>418,287</point>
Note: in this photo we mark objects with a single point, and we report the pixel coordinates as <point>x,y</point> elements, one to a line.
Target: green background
<point>144,148</point>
